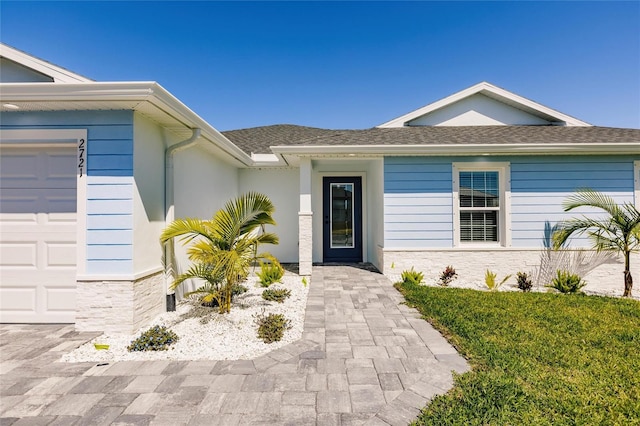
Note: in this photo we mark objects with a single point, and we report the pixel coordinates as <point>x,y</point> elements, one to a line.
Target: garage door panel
<point>16,205</point>
<point>60,167</point>
<point>18,299</point>
<point>58,299</point>
<point>19,169</point>
<point>60,254</point>
<point>25,168</point>
<point>21,255</point>
<point>37,200</point>
<point>38,235</point>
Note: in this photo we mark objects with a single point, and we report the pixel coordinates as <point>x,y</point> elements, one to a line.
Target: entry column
<point>305,222</point>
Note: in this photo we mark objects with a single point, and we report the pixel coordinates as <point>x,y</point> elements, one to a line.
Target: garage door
<point>37,234</point>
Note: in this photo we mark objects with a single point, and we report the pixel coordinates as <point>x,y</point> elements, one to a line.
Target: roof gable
<point>19,67</point>
<point>483,105</point>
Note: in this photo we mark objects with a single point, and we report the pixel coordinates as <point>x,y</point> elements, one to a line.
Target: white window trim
<point>504,180</point>
<point>636,183</point>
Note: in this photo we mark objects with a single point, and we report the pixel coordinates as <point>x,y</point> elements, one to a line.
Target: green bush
<point>447,276</point>
<point>271,327</point>
<point>271,272</point>
<point>490,280</point>
<point>276,295</point>
<point>212,302</point>
<point>524,282</point>
<point>157,338</point>
<point>566,282</point>
<point>413,277</point>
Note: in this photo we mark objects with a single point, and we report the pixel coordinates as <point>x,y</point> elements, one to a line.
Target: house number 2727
<point>81,156</point>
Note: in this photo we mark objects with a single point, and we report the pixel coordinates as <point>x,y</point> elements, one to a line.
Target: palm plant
<point>224,247</point>
<point>618,231</point>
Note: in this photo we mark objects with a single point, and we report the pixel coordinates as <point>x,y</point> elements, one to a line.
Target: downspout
<point>169,272</point>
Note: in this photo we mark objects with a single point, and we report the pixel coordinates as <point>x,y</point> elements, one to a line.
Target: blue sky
<point>345,65</point>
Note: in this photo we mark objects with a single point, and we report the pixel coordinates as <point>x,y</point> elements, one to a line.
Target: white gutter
<point>466,149</point>
<point>169,272</point>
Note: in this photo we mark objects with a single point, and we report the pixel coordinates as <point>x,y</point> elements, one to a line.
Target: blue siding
<point>109,180</point>
<point>540,185</point>
<point>418,211</point>
<point>418,208</point>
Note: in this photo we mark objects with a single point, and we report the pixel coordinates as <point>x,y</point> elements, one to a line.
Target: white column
<point>305,222</point>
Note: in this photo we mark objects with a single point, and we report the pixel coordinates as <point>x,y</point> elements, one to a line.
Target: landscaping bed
<point>204,334</point>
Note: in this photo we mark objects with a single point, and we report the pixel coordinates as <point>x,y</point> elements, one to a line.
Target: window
<point>480,203</point>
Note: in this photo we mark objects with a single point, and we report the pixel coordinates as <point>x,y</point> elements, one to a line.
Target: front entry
<point>342,219</point>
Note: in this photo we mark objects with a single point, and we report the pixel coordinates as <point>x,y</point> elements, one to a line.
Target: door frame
<point>363,209</point>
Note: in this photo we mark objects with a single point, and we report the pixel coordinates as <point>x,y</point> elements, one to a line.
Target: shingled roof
<point>258,139</point>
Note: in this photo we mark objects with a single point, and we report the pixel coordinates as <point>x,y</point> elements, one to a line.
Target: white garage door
<point>37,234</point>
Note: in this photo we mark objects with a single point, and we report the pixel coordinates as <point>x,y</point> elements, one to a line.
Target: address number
<point>81,156</point>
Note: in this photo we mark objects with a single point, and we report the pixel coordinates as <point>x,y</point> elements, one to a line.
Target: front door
<point>342,218</point>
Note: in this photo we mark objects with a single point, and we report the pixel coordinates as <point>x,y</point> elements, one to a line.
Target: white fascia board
<point>458,150</point>
<point>69,92</point>
<point>138,91</point>
<point>491,90</point>
<point>59,74</point>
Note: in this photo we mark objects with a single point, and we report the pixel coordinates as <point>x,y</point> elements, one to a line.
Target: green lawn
<point>537,358</point>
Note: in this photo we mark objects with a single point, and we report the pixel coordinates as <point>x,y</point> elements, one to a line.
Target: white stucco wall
<point>203,184</point>
<point>375,197</point>
<point>478,110</point>
<point>282,186</point>
<point>148,194</point>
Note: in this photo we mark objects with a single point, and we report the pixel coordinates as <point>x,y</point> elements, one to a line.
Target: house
<point>92,172</point>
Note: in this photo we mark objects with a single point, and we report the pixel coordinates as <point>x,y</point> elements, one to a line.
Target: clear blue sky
<point>345,65</point>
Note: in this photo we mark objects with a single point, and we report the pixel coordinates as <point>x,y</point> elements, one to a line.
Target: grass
<point>537,358</point>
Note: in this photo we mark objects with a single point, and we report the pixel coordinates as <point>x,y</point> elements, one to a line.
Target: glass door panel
<point>342,215</point>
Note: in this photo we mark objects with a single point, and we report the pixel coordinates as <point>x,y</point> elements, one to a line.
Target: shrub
<point>276,295</point>
<point>447,276</point>
<point>490,280</point>
<point>271,327</point>
<point>566,282</point>
<point>237,289</point>
<point>412,277</point>
<point>271,272</point>
<point>157,338</point>
<point>524,282</point>
<point>214,301</point>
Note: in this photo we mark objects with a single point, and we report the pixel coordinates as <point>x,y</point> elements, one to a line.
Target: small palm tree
<point>224,247</point>
<point>619,231</point>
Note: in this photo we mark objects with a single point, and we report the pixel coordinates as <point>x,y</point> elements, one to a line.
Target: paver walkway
<point>365,358</point>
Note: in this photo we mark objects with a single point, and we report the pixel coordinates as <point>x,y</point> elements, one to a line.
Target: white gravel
<point>225,337</point>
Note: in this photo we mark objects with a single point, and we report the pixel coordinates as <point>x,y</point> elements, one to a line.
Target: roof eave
<point>466,149</point>
<point>104,92</point>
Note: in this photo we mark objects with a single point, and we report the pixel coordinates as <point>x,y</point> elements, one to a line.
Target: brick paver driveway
<point>364,358</point>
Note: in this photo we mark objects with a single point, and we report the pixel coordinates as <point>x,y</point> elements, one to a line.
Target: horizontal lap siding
<point>418,209</point>
<point>540,185</point>
<point>109,180</point>
<point>417,202</point>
